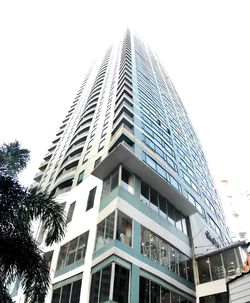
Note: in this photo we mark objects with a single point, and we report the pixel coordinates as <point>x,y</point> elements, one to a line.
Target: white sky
<point>47,46</point>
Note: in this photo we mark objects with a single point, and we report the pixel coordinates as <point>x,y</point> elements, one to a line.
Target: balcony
<point>43,165</point>
<point>123,119</point>
<point>38,176</point>
<point>123,155</point>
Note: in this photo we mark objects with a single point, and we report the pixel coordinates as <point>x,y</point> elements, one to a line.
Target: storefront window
<point>151,292</point>
<point>160,251</point>
<point>230,262</point>
<point>217,270</point>
<point>109,278</point>
<point>204,274</point>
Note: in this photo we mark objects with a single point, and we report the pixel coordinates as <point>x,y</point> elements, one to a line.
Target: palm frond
<point>51,214</point>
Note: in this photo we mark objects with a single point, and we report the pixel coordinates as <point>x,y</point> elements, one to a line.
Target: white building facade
<point>129,170</point>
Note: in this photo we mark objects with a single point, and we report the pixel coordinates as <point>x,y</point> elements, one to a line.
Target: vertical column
<point>135,270</point>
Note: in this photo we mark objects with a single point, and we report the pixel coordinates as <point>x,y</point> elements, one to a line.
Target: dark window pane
<point>94,291</point>
<point>56,295</point>
<point>190,270</point>
<point>174,298</point>
<point>114,180</point>
<point>121,284</point>
<point>65,293</point>
<point>155,293</point>
<point>217,269</point>
<point>144,290</point>
<point>97,162</point>
<point>153,199</point>
<point>76,291</point>
<point>145,192</point>
<point>105,284</point>
<point>183,266</point>
<point>71,211</point>
<point>80,177</point>
<point>165,295</point>
<point>91,199</point>
<point>230,262</point>
<point>204,274</point>
<point>163,206</point>
<point>171,214</point>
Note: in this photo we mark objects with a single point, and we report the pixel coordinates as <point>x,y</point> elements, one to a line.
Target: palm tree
<point>19,207</point>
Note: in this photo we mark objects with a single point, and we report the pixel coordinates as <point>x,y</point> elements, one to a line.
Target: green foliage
<point>13,159</point>
<point>19,254</point>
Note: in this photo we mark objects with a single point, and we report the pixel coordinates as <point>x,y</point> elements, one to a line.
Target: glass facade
<point>160,251</point>
<point>151,292</point>
<point>160,205</point>
<point>110,283</point>
<point>225,264</point>
<point>73,251</point>
<point>129,99</point>
<point>106,230</point>
<point>69,293</point>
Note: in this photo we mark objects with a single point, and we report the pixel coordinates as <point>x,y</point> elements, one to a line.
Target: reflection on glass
<point>105,231</point>
<point>75,293</point>
<point>163,207</point>
<point>204,274</point>
<point>110,183</point>
<point>160,205</point>
<point>160,251</point>
<point>121,284</point>
<point>128,180</point>
<point>56,295</point>
<point>144,290</point>
<point>151,292</point>
<point>65,293</point>
<point>155,293</point>
<point>165,295</point>
<point>124,229</point>
<point>217,270</point>
<point>105,284</point>
<point>94,291</point>
<point>230,262</point>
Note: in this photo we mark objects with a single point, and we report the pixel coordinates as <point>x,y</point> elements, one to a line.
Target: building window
<point>113,277</point>
<point>97,161</point>
<point>106,230</point>
<point>151,292</point>
<point>71,211</point>
<point>160,205</point>
<point>91,198</point>
<point>69,293</point>
<point>80,177</point>
<point>110,183</point>
<point>101,145</point>
<point>124,229</point>
<point>160,251</point>
<point>220,297</point>
<point>73,251</point>
<point>128,180</point>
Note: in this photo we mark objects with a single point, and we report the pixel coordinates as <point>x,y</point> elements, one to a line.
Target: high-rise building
<point>128,168</point>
